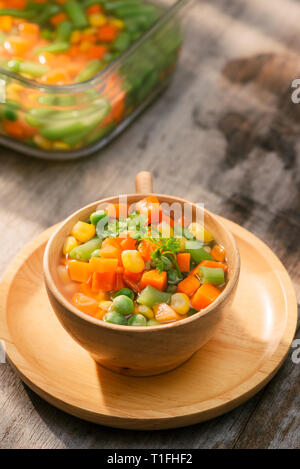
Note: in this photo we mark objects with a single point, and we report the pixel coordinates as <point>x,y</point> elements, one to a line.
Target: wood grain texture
<point>232,142</point>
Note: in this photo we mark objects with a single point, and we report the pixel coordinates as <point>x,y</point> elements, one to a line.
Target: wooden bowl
<point>140,351</point>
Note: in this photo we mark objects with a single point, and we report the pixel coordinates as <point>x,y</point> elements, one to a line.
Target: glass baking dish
<point>88,115</point>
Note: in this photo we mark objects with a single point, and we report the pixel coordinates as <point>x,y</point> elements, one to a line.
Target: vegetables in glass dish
<point>137,266</point>
<point>76,73</point>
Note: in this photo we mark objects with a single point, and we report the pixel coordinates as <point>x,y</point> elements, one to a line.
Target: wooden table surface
<point>225,133</point>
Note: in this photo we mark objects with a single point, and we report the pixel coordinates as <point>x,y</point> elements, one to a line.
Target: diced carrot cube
<point>103,281</point>
<point>110,252</point>
<point>128,243</point>
<point>119,283</point>
<point>155,279</point>
<point>134,277</point>
<point>204,296</point>
<point>79,271</point>
<point>189,285</point>
<point>184,261</point>
<point>102,266</point>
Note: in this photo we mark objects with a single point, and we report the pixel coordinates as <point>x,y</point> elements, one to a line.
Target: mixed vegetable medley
<point>65,42</point>
<point>138,266</point>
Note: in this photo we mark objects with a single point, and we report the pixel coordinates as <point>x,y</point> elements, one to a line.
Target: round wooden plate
<point>240,359</point>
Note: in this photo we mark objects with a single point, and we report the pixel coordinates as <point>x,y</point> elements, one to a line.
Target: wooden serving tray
<point>237,362</point>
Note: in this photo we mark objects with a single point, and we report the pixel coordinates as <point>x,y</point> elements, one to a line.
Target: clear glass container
<point>72,121</point>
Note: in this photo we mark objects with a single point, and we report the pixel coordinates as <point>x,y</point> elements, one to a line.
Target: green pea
<point>122,304</point>
<point>126,292</point>
<point>137,320</point>
<point>97,216</point>
<point>115,318</point>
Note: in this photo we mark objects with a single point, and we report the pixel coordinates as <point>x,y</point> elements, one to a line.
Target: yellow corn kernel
<point>58,145</point>
<point>164,313</point>
<point>117,23</point>
<point>69,244</point>
<point>200,233</point>
<point>133,261</point>
<point>145,311</point>
<point>97,19</point>
<point>165,229</point>
<point>85,46</point>
<point>75,37</point>
<point>180,303</point>
<point>42,142</point>
<point>83,231</point>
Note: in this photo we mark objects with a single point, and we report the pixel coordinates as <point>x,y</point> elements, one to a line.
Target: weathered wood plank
<point>225,133</point>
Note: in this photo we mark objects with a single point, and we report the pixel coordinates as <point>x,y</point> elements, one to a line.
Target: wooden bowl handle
<point>143,183</point>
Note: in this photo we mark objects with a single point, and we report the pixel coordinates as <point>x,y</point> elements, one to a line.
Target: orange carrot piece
<point>100,265</point>
<point>103,281</point>
<point>189,285</point>
<point>18,46</point>
<point>150,207</point>
<point>14,129</point>
<point>136,277</point>
<point>96,52</point>
<point>110,252</point>
<point>128,244</point>
<point>94,9</point>
<point>204,296</point>
<point>6,23</point>
<point>55,20</point>
<point>79,271</point>
<point>107,33</point>
<point>155,279</point>
<point>214,264</point>
<point>17,4</point>
<point>132,284</point>
<point>119,282</point>
<point>218,253</point>
<point>145,248</point>
<point>29,29</point>
<point>84,303</point>
<point>184,261</point>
